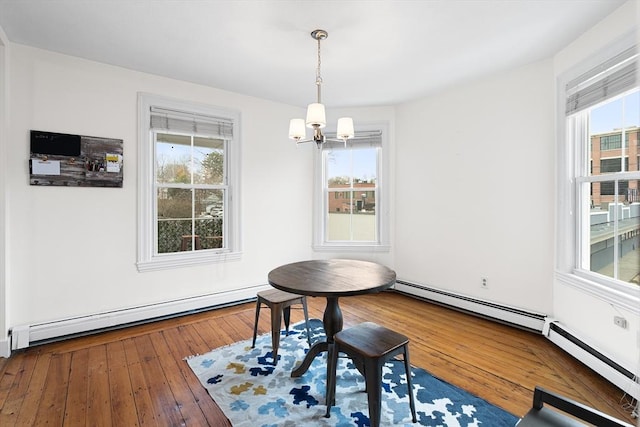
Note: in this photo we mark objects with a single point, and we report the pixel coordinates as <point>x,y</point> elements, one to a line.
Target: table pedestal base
<point>332,321</point>
<point>315,350</point>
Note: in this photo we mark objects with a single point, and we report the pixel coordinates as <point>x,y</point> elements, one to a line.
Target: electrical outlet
<point>620,321</point>
<point>485,283</point>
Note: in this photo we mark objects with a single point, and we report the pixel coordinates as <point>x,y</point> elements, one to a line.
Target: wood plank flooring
<point>138,377</point>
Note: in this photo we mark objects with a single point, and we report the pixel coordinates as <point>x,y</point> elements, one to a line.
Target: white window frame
<point>570,215</point>
<point>147,258</point>
<point>320,210</point>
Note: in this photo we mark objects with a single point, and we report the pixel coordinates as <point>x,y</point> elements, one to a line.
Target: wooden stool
<point>280,303</point>
<point>370,346</point>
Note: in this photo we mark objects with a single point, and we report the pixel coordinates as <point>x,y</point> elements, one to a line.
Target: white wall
<point>4,84</point>
<point>73,250</point>
<point>582,311</point>
<point>474,189</point>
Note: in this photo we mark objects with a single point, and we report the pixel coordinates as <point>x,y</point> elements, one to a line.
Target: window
<point>351,193</point>
<point>602,175</point>
<point>187,179</point>
<point>611,142</point>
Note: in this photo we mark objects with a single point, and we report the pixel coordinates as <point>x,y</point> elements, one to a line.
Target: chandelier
<point>316,118</point>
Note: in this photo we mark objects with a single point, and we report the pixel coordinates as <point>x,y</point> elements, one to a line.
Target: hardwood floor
<point>137,376</point>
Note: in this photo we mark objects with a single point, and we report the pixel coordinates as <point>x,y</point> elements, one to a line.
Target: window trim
<point>568,215</point>
<point>382,205</point>
<point>147,260</point>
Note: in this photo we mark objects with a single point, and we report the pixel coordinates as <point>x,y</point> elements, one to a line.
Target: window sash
<point>371,140</point>
<point>189,186</point>
<point>614,182</point>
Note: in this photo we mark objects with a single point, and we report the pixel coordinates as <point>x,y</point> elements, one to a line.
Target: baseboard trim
<point>23,336</point>
<point>5,348</point>
<point>496,312</point>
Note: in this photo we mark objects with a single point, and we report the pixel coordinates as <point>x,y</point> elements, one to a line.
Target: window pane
<point>364,216</point>
<point>209,224</point>
<point>364,165</point>
<point>173,158</point>
<point>174,235</point>
<point>174,220</point>
<point>209,232</point>
<point>208,158</point>
<point>338,166</point>
<point>174,203</point>
<point>339,226</point>
<point>614,234</point>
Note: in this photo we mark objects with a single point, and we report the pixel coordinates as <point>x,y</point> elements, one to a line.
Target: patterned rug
<point>252,392</point>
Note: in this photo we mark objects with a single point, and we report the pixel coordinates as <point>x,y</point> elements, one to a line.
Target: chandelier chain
<point>318,76</point>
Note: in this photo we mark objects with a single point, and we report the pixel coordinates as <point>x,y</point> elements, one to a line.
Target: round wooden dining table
<point>332,279</point>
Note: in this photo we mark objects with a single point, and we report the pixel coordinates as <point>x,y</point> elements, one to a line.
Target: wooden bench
<point>541,416</point>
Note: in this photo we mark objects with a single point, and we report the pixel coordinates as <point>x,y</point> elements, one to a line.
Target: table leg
<point>332,321</point>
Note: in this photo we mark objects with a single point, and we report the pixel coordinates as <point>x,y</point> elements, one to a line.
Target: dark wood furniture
<point>370,346</point>
<point>332,279</point>
<point>541,416</point>
<point>279,302</point>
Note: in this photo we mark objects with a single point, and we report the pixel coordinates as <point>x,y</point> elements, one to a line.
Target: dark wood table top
<point>332,278</point>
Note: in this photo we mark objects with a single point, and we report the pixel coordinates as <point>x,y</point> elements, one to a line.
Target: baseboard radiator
<point>28,335</point>
<point>605,366</point>
<point>489,310</point>
<point>622,377</point>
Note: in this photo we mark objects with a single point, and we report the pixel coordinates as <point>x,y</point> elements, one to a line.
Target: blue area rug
<point>252,392</point>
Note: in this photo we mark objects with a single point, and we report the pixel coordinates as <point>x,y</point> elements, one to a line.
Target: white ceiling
<point>377,53</point>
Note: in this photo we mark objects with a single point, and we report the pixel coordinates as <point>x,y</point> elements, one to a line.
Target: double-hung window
<point>602,174</point>
<point>187,182</point>
<point>351,193</point>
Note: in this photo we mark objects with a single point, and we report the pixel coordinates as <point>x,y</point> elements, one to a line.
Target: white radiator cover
<point>623,377</point>
<point>511,315</point>
<point>25,335</point>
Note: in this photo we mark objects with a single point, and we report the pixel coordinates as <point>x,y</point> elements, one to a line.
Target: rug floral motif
<point>253,392</point>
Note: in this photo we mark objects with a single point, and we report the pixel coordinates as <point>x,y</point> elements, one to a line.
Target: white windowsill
<point>167,261</point>
<point>627,297</point>
<point>351,248</point>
